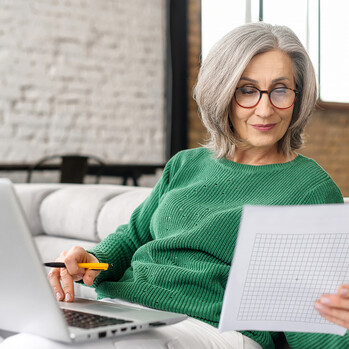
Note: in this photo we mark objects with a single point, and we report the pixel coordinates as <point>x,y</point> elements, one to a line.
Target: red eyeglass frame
<point>296,93</point>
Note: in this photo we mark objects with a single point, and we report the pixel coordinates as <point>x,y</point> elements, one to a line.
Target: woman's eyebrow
<point>280,79</point>
<point>248,79</point>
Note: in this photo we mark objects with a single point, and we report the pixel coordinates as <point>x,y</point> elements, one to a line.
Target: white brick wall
<point>83,76</point>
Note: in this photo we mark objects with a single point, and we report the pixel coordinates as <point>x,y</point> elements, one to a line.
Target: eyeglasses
<point>280,97</point>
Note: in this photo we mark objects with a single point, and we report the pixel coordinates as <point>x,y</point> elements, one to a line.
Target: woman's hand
<point>71,273</point>
<point>335,307</point>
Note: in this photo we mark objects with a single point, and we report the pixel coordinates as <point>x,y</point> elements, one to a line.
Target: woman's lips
<point>263,128</point>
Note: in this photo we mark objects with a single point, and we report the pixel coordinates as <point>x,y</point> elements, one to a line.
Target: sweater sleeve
<point>119,247</point>
<point>264,339</point>
<point>326,192</point>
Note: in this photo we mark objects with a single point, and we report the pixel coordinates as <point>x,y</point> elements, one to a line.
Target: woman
<point>256,91</point>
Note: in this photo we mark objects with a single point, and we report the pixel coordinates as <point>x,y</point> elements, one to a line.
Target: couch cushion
<point>119,209</point>
<point>31,197</point>
<point>73,211</point>
<point>50,247</point>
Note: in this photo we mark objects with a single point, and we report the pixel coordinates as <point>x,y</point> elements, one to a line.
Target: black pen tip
<point>55,265</point>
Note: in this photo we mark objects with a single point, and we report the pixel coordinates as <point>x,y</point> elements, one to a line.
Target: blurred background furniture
<point>73,167</point>
<point>127,172</point>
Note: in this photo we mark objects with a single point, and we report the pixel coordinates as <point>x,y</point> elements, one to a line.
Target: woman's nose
<point>264,108</point>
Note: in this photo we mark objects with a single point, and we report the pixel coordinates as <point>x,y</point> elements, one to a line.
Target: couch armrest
<point>31,197</point>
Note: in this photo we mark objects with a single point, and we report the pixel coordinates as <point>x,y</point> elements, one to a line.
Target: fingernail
<point>68,297</point>
<point>58,296</point>
<point>318,306</point>
<point>344,292</point>
<point>325,300</point>
<point>78,277</point>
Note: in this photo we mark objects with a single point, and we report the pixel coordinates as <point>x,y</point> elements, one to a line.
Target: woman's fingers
<point>335,307</point>
<point>68,284</point>
<point>77,255</point>
<point>343,291</point>
<point>62,279</point>
<point>90,276</point>
<point>334,301</point>
<point>78,277</point>
<point>336,315</point>
<point>54,279</point>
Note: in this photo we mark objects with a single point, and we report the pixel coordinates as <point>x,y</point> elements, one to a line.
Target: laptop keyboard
<point>85,320</point>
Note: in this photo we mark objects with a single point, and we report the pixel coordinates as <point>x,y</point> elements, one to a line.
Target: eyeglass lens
<point>280,97</point>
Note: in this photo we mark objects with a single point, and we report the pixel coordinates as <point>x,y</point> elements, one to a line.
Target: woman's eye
<point>248,90</point>
<point>280,91</point>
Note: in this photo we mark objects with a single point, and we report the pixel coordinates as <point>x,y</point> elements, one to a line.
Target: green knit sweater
<point>176,251</point>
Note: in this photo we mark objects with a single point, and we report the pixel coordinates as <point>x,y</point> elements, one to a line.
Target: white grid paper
<point>285,258</point>
<point>290,272</point>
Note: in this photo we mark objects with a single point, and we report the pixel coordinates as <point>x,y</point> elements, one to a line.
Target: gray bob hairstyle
<point>221,72</point>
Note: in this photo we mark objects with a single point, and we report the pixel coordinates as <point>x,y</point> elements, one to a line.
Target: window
<point>321,25</point>
<point>334,51</point>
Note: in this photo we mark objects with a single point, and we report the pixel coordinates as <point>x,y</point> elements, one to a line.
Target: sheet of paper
<point>285,258</point>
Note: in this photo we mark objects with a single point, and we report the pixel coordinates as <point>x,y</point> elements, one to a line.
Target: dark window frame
<point>176,77</point>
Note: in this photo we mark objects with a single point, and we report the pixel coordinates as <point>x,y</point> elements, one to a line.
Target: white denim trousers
<point>188,334</point>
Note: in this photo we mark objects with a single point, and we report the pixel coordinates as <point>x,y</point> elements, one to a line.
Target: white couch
<point>61,216</point>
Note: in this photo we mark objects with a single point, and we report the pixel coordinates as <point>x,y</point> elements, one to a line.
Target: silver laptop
<point>27,303</point>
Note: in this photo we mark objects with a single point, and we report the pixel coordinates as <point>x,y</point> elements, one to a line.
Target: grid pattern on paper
<point>289,272</point>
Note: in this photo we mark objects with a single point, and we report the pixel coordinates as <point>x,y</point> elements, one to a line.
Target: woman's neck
<point>260,156</point>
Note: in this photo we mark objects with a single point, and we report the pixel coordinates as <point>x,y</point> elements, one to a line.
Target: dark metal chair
<point>73,167</point>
